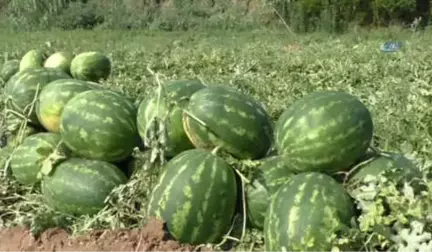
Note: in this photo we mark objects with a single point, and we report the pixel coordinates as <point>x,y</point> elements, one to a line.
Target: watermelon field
<point>242,141</point>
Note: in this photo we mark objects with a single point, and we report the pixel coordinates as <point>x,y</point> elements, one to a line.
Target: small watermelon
<point>60,60</point>
<point>305,212</point>
<point>32,59</point>
<point>21,89</point>
<point>100,124</point>
<point>80,186</point>
<point>8,69</point>
<point>27,160</point>
<point>91,66</point>
<point>325,131</point>
<point>170,105</point>
<point>196,196</point>
<point>222,116</point>
<point>54,97</point>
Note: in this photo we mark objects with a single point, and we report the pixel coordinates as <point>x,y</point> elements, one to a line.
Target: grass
<point>276,68</point>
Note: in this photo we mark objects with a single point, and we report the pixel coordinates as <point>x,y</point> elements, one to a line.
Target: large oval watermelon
<point>54,97</point>
<point>91,66</point>
<point>21,89</point>
<point>196,196</point>
<point>324,131</point>
<point>8,69</point>
<point>80,186</point>
<point>100,124</point>
<point>32,59</point>
<point>169,105</point>
<point>27,160</point>
<point>60,60</point>
<point>222,116</point>
<point>305,212</point>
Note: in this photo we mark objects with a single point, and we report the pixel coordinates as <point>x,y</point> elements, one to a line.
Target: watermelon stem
<point>243,181</point>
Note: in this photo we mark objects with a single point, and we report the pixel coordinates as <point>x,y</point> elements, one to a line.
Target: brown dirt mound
<point>152,237</point>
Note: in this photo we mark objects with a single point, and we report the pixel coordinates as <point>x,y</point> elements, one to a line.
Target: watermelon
<point>61,60</point>
<point>400,168</point>
<point>79,186</point>
<point>54,97</point>
<point>20,90</point>
<point>8,69</point>
<point>305,212</point>
<point>100,124</point>
<point>271,174</point>
<point>28,157</point>
<point>32,59</point>
<point>325,131</point>
<point>169,105</point>
<point>222,116</point>
<point>196,196</point>
<point>91,66</point>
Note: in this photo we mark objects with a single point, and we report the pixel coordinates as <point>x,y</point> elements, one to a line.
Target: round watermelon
<point>8,69</point>
<point>54,97</point>
<point>20,90</point>
<point>60,60</point>
<point>196,196</point>
<point>222,116</point>
<point>305,212</point>
<point>324,131</point>
<point>80,186</point>
<point>169,106</point>
<point>32,59</point>
<point>27,160</point>
<point>100,124</point>
<point>91,66</point>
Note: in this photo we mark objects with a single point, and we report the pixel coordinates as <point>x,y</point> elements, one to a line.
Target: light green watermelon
<point>54,97</point>
<point>80,186</point>
<point>60,60</point>
<point>196,196</point>
<point>169,105</point>
<point>21,89</point>
<point>305,212</point>
<point>91,66</point>
<point>32,59</point>
<point>222,116</point>
<point>100,124</point>
<point>325,131</point>
<point>27,160</point>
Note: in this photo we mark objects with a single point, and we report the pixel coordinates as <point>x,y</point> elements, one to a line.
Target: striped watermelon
<point>400,167</point>
<point>8,69</point>
<point>54,97</point>
<point>222,116</point>
<point>100,124</point>
<point>20,90</point>
<point>91,66</point>
<point>169,105</point>
<point>28,157</point>
<point>196,196</point>
<point>305,212</point>
<point>324,131</point>
<point>61,60</point>
<point>79,186</point>
<point>32,59</point>
<point>272,174</point>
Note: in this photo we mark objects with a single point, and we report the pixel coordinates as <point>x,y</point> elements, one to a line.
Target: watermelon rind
<point>91,66</point>
<point>325,131</point>
<point>196,196</point>
<point>100,124</point>
<point>222,116</point>
<point>306,212</point>
<point>60,60</point>
<point>79,186</point>
<point>54,97</point>
<point>32,59</point>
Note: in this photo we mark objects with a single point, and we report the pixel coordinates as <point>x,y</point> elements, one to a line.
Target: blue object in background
<point>391,46</point>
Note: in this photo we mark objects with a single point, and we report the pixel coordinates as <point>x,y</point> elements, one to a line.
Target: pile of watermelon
<point>69,133</point>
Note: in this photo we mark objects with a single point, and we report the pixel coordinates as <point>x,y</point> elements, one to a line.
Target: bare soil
<point>152,237</point>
